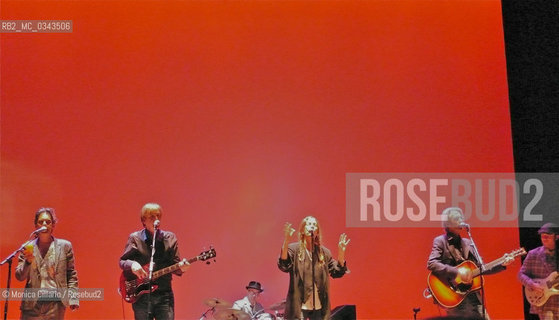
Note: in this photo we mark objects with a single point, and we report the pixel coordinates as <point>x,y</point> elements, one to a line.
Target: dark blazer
<point>299,271</point>
<point>138,248</point>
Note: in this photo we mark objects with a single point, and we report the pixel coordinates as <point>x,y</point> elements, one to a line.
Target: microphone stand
<point>415,311</point>
<point>481,271</point>
<point>150,314</point>
<point>212,309</point>
<point>9,261</point>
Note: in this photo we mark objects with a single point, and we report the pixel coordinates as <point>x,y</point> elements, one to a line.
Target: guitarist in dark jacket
<point>136,256</point>
<point>450,250</point>
<point>541,263</point>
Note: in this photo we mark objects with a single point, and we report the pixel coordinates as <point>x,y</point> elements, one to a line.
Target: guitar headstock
<point>207,255</point>
<point>517,252</point>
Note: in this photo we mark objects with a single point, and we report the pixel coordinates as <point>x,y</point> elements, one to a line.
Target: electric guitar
<point>452,292</point>
<point>549,286</point>
<point>131,288</point>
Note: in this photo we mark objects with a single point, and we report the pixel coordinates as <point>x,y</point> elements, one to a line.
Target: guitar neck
<point>488,266</point>
<point>169,269</point>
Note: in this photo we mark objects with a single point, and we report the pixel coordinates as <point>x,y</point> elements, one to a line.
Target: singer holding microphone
<point>449,250</point>
<point>160,303</point>
<point>309,265</point>
<point>47,263</point>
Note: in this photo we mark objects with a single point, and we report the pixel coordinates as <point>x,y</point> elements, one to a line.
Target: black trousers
<point>162,306</point>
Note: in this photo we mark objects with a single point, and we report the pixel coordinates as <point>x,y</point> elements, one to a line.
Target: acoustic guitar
<point>452,292</point>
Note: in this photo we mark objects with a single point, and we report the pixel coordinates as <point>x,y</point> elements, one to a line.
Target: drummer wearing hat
<point>249,303</point>
<point>541,263</point>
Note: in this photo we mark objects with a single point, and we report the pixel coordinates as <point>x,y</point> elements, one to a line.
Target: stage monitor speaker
<point>344,312</point>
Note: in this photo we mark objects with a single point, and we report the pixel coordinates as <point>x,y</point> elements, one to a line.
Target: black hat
<point>549,227</point>
<point>255,285</point>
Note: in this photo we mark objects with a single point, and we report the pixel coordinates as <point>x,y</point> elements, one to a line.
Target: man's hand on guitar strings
<point>464,275</point>
<point>138,270</point>
<point>184,265</point>
<point>537,288</point>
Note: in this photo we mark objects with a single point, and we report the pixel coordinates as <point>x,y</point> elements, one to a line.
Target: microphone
<point>314,236</point>
<point>41,229</point>
<point>156,224</point>
<point>464,225</point>
<point>311,231</point>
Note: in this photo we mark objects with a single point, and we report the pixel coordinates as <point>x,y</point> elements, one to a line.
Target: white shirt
<point>252,310</point>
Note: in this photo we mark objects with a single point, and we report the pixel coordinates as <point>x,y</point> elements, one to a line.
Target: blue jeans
<point>162,306</point>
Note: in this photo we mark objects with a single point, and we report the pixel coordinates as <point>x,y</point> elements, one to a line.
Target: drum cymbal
<point>231,314</point>
<point>278,306</point>
<point>217,303</point>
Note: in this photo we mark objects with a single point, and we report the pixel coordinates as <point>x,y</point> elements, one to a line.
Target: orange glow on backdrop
<point>237,116</point>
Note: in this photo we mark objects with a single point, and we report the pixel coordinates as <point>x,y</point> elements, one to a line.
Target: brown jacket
<point>66,276</point>
<point>300,283</point>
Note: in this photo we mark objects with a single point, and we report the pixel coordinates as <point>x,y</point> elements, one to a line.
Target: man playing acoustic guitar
<point>136,256</point>
<point>449,262</point>
<point>538,275</point>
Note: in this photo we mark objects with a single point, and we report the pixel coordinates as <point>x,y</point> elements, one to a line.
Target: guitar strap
<point>456,254</point>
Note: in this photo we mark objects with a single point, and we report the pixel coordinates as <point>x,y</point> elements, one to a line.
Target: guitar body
<point>449,294</point>
<point>131,288</point>
<point>550,289</point>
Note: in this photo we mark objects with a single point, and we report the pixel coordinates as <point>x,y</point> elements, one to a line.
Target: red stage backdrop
<point>237,116</point>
